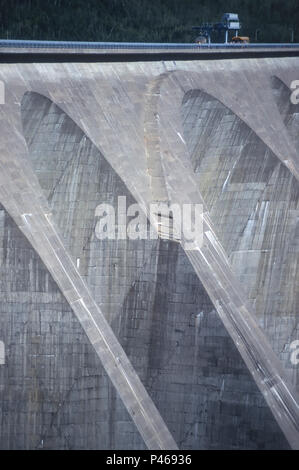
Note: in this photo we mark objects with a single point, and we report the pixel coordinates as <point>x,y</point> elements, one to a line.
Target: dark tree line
<point>143,20</point>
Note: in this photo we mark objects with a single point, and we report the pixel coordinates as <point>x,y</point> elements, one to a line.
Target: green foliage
<point>143,20</point>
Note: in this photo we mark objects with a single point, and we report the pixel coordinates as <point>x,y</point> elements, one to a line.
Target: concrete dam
<point>141,343</point>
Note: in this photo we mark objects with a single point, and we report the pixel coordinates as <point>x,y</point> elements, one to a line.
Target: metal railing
<point>19,43</point>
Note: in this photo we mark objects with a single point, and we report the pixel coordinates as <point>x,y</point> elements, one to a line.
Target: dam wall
<point>83,134</point>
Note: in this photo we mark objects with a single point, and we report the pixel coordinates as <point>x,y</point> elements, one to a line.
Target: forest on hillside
<point>144,20</point>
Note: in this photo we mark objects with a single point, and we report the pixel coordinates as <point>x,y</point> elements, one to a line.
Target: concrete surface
<point>219,132</point>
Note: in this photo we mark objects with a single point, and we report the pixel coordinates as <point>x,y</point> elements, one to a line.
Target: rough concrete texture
<point>85,131</point>
<point>253,201</point>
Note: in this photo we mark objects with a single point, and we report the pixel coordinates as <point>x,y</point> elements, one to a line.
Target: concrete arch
<point>220,146</point>
<point>175,86</point>
<point>158,358</point>
<point>75,178</point>
<point>21,195</point>
<point>107,103</point>
<point>252,198</point>
<point>72,172</point>
<point>207,259</point>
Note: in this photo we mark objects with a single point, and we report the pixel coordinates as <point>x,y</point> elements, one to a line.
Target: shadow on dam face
<point>61,397</point>
<point>253,203</point>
